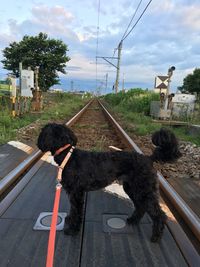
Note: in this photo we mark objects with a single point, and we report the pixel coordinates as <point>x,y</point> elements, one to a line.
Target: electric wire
<point>127,34</point>
<point>132,19</point>
<point>137,21</point>
<point>97,43</point>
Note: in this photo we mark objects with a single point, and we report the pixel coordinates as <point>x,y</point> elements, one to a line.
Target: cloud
<point>191,17</point>
<point>6,39</point>
<point>73,68</point>
<point>52,20</point>
<point>85,69</point>
<point>52,15</point>
<point>168,34</point>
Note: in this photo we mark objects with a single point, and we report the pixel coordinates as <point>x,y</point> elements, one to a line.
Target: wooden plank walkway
<point>98,245</point>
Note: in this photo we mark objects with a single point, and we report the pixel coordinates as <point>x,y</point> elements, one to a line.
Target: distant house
<point>56,90</point>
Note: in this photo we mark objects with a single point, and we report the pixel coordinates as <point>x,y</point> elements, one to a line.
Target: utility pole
<point>106,80</point>
<point>123,84</point>
<point>107,59</point>
<point>36,78</point>
<point>20,78</point>
<point>118,67</point>
<point>37,93</point>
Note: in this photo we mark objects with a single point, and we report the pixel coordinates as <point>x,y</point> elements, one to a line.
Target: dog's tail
<point>166,143</point>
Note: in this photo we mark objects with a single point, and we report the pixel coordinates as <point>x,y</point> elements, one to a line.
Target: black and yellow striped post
<point>13,101</point>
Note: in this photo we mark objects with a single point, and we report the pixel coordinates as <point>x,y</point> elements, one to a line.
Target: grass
<point>137,122</point>
<point>100,144</point>
<point>59,108</point>
<point>183,134</point>
<point>136,118</point>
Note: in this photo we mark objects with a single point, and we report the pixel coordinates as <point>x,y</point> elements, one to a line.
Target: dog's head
<point>54,136</point>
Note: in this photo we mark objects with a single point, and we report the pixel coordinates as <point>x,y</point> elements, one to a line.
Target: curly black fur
<point>88,171</point>
<point>166,146</point>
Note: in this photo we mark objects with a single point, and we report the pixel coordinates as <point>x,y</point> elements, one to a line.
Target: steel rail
<point>189,252</point>
<point>184,210</point>
<point>79,114</point>
<point>12,176</point>
<point>12,195</point>
<point>189,216</point>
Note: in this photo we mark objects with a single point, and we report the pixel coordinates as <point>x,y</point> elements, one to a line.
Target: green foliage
<point>182,133</point>
<point>191,83</point>
<point>135,100</point>
<point>49,54</point>
<point>133,107</point>
<point>62,106</point>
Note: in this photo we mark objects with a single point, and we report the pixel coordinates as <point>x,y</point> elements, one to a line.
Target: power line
<point>97,43</point>
<point>137,20</point>
<point>131,19</point>
<point>119,48</point>
<point>126,35</point>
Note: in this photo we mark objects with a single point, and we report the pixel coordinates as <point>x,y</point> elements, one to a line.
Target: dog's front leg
<point>74,219</point>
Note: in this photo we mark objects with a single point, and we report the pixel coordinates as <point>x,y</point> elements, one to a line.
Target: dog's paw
<point>68,220</point>
<point>70,231</point>
<point>132,220</point>
<point>155,238</point>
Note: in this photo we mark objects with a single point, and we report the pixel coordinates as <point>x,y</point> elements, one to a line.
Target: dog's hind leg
<point>74,219</point>
<point>139,209</point>
<point>158,217</point>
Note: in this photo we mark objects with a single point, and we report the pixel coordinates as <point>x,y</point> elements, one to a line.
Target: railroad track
<point>97,130</point>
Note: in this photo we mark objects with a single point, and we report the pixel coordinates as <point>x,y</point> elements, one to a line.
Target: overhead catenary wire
<point>132,19</point>
<point>136,21</point>
<point>97,42</point>
<point>128,26</point>
<point>125,35</point>
<point>119,48</point>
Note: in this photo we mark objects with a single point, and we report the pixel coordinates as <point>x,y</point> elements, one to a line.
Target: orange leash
<point>52,235</point>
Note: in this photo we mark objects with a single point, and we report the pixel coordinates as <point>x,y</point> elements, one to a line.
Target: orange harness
<point>62,166</point>
<point>52,234</point>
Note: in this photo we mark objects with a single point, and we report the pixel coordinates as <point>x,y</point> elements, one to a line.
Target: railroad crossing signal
<point>161,82</point>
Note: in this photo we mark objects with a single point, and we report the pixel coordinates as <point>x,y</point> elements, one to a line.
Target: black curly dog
<point>88,171</point>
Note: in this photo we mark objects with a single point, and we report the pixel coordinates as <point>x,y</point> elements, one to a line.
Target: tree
<point>191,83</point>
<point>49,54</point>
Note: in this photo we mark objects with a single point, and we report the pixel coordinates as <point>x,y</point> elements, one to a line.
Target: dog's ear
<point>45,140</point>
<point>66,135</point>
<point>54,136</point>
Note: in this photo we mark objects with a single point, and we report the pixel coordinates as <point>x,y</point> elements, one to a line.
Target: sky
<point>168,34</point>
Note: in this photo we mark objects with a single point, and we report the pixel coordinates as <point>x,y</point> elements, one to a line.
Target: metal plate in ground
<point>44,221</point>
<point>116,223</point>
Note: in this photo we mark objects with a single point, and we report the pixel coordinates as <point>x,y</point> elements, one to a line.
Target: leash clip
<point>58,185</point>
<point>60,168</point>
